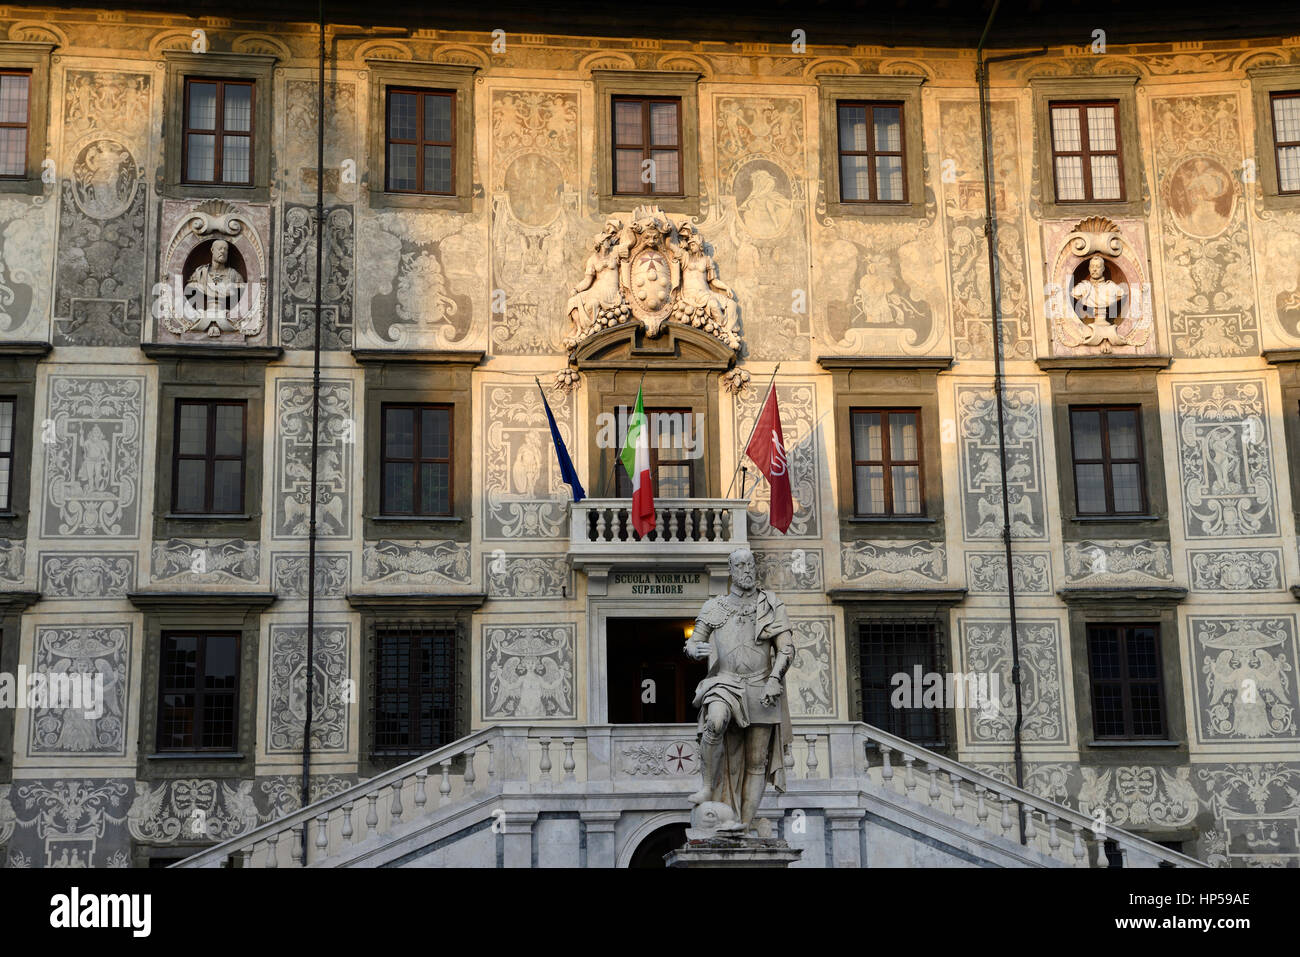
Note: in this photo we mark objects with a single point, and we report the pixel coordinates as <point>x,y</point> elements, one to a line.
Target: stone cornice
<point>468,357</point>
<point>1150,595</point>
<point>225,600</point>
<point>415,602</point>
<point>1280,356</point>
<point>934,364</point>
<point>26,348</point>
<point>170,350</point>
<point>909,596</point>
<point>1103,363</point>
<point>16,601</point>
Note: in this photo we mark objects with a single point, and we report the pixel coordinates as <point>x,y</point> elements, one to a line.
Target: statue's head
<point>1096,266</point>
<point>741,565</point>
<point>220,252</point>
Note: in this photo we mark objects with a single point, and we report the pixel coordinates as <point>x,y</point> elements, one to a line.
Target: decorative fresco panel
<point>810,682</point>
<point>299,144</point>
<point>93,458</point>
<point>986,647</point>
<point>102,654</point>
<point>289,574</point>
<point>1255,812</point>
<point>791,571</point>
<point>523,577</point>
<point>963,205</point>
<point>206,561</point>
<point>986,573</point>
<point>332,688</point>
<point>528,672</point>
<point>191,810</point>
<point>1245,681</point>
<point>1236,569</point>
<point>100,271</point>
<point>298,278</point>
<point>914,564</point>
<point>425,563</point>
<point>25,225</point>
<point>524,498</point>
<point>799,425</point>
<point>1209,283</point>
<point>1225,464</point>
<point>13,561</point>
<point>66,823</point>
<point>980,469</point>
<point>291,492</point>
<point>1140,798</point>
<point>1125,564</point>
<point>538,231</point>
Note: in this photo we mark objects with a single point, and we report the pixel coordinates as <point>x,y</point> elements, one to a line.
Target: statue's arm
<point>587,279</point>
<point>783,645</point>
<point>697,644</point>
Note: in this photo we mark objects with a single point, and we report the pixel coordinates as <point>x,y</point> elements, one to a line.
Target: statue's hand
<point>697,649</point>
<point>772,691</point>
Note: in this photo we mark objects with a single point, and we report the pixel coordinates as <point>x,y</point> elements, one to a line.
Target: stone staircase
<point>517,796</point>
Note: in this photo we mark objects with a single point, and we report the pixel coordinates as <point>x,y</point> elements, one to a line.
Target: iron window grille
<point>198,692</point>
<point>889,647</point>
<point>1128,699</point>
<point>415,702</point>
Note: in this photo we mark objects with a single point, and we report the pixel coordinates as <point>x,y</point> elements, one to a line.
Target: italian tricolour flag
<point>636,459</point>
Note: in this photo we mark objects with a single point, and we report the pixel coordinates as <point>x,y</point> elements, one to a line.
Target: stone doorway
<point>651,681</point>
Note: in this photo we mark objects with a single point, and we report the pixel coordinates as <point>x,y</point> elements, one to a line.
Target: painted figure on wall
<point>744,722</point>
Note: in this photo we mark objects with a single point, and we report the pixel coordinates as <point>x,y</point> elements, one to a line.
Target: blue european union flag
<point>567,471</point>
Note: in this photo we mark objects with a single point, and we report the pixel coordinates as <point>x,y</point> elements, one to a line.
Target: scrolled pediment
<point>677,347</point>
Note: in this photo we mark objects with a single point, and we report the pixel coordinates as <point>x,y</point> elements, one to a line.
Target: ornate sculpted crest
<point>650,271</point>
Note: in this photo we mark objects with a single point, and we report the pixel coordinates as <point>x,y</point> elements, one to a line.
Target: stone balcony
<point>699,532</point>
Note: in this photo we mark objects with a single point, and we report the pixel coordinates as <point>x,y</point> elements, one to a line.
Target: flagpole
<point>741,458</point>
<point>613,470</point>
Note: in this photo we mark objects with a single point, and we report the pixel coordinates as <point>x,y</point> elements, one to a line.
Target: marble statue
<point>599,291</point>
<point>744,721</point>
<point>215,287</point>
<point>1098,297</point>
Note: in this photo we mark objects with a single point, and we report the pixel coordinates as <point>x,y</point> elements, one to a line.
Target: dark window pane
<point>239,107</point>
<point>402,116</point>
<point>1090,484</point>
<point>627,123</point>
<point>399,433</point>
<point>663,124</point>
<point>191,487</point>
<point>665,172</point>
<point>1087,434</point>
<point>1142,658</point>
<point>1121,426</point>
<point>202,157</point>
<point>401,166</point>
<point>1126,481</point>
<point>436,433</point>
<point>399,487</point>
<point>1108,711</point>
<point>437,118</point>
<point>13,98</point>
<point>220,661</point>
<point>194,429</point>
<point>437,169</point>
<point>230,430</point>
<point>627,172</point>
<point>435,491</point>
<point>1103,653</point>
<point>227,475</point>
<point>13,151</point>
<point>203,106</point>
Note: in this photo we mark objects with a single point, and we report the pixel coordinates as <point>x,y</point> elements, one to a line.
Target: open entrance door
<point>651,681</point>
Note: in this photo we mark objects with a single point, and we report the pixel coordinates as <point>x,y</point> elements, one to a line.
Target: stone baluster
<point>395,809</point>
<point>444,786</point>
<point>469,777</point>
<point>347,822</point>
<point>810,764</point>
<point>545,765</point>
<point>672,525</point>
<point>569,763</point>
<point>322,832</point>
<point>717,523</point>
<point>270,850</point>
<point>909,780</point>
<point>886,769</point>
<point>659,524</point>
<point>981,809</point>
<point>958,802</point>
<point>1081,855</point>
<point>1053,839</point>
<point>934,791</point>
<point>421,796</point>
<point>1006,816</point>
<point>372,814</point>
<point>295,848</point>
<point>1031,833</point>
<point>601,525</point>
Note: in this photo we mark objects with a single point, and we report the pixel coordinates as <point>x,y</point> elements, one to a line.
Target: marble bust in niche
<point>215,283</point>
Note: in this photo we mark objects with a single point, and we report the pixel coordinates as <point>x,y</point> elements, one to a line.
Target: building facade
<point>678,216</point>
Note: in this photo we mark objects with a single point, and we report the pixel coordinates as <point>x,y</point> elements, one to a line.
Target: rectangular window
<point>208,463</point>
<point>415,688</point>
<point>1086,152</point>
<point>198,692</point>
<point>647,139</point>
<point>420,143</point>
<point>1286,140</point>
<point>672,440</point>
<point>1109,474</point>
<point>15,96</point>
<point>887,648</point>
<point>886,462</point>
<point>217,141</point>
<point>1127,689</point>
<point>415,459</point>
<point>871,152</point>
<point>7,407</point>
